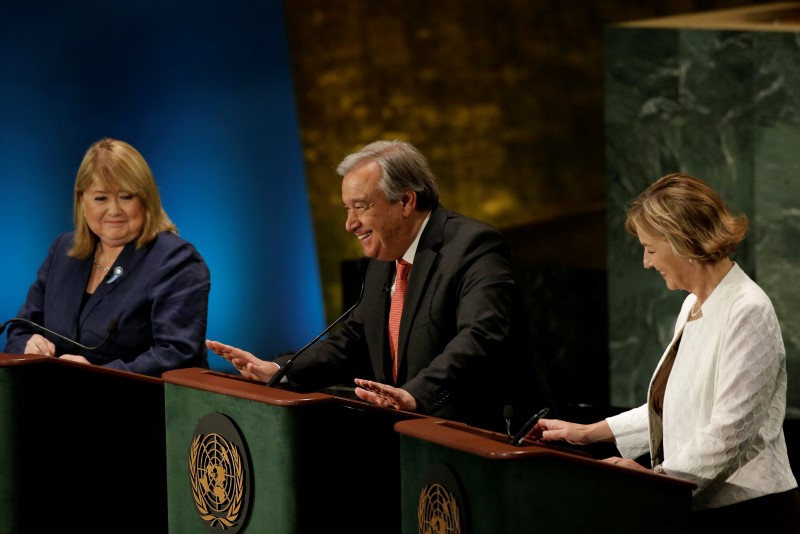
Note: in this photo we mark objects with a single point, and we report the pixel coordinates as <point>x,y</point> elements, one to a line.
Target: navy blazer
<point>159,301</point>
<point>464,347</point>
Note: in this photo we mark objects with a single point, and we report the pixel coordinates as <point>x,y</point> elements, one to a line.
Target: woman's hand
<point>74,358</point>
<point>246,363</point>
<point>385,395</point>
<point>625,462</point>
<point>38,344</point>
<point>577,434</point>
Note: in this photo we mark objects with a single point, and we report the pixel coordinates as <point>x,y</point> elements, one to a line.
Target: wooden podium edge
<point>240,387</point>
<point>494,446</point>
<point>13,360</point>
<point>243,388</point>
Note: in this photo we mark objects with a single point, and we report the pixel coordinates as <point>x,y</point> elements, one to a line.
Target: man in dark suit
<point>462,350</point>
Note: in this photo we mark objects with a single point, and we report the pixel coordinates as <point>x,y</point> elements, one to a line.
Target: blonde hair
<point>116,165</point>
<point>690,215</point>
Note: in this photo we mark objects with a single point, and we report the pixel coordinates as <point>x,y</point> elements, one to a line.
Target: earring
<point>691,260</point>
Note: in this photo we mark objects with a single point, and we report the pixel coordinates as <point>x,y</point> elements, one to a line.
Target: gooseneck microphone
<point>508,412</point>
<point>110,329</point>
<point>280,373</point>
<point>517,439</point>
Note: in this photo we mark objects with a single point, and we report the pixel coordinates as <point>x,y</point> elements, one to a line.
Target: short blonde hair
<point>690,215</point>
<point>115,164</point>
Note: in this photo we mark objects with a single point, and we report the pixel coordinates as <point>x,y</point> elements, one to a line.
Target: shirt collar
<point>411,251</point>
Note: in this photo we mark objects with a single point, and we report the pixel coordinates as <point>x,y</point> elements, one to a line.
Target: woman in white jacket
<point>717,400</point>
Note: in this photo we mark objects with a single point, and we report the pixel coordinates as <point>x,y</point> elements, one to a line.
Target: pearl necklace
<point>693,313</point>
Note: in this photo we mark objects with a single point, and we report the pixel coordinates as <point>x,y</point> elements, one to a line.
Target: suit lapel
<point>376,331</point>
<point>419,278</point>
<point>73,294</point>
<point>126,262</point>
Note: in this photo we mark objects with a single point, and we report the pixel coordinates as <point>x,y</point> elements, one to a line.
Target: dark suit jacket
<point>160,303</point>
<point>464,349</point>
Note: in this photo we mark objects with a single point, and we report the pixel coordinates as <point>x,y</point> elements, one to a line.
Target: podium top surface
<point>495,446</point>
<point>777,17</point>
<point>237,386</point>
<point>243,388</point>
<point>18,360</point>
<point>10,360</point>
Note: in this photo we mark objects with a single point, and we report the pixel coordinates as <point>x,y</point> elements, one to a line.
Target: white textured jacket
<point>725,401</point>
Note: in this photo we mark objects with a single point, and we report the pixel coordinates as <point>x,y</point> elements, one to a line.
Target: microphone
<point>508,411</point>
<point>280,373</point>
<point>110,329</point>
<point>519,436</point>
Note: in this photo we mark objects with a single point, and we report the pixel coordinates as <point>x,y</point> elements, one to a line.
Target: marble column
<point>715,95</point>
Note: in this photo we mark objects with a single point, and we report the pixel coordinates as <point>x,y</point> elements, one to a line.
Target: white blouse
<point>725,401</point>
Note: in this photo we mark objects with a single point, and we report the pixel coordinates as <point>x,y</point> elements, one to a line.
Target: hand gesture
<point>246,363</point>
<point>385,395</point>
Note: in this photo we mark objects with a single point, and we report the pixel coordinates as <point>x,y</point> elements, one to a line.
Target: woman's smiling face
<point>658,255</point>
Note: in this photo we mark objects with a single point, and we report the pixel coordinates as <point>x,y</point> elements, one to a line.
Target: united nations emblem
<point>442,506</point>
<point>219,474</point>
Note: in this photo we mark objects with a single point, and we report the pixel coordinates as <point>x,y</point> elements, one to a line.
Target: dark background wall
<point>244,109</point>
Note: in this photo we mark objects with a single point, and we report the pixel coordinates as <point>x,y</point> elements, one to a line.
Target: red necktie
<point>399,295</point>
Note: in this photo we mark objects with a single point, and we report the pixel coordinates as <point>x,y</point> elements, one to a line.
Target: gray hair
<point>403,167</point>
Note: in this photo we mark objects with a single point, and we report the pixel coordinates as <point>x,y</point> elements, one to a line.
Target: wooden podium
<point>82,448</point>
<point>242,457</point>
<point>458,478</point>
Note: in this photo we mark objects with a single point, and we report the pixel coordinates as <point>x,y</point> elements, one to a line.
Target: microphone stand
<point>110,329</point>
<point>520,435</point>
<point>280,373</point>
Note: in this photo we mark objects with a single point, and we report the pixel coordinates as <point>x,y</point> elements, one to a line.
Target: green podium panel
<point>242,457</point>
<point>83,448</point>
<point>458,478</point>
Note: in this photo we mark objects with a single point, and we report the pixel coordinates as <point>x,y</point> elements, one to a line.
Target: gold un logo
<point>218,474</point>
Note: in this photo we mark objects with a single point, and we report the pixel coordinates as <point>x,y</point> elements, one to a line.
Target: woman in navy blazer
<point>123,279</point>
